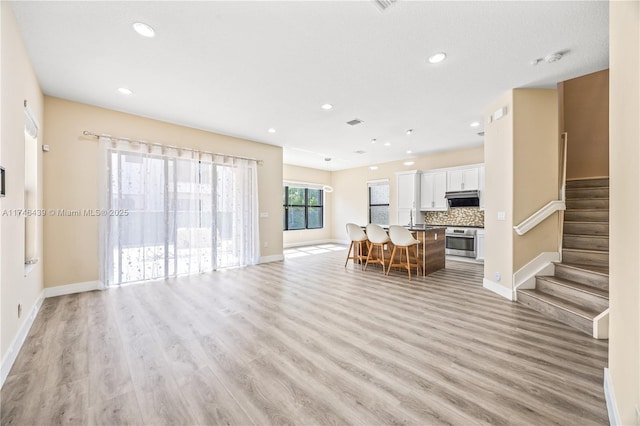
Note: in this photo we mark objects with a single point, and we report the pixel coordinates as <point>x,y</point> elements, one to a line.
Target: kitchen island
<point>431,247</point>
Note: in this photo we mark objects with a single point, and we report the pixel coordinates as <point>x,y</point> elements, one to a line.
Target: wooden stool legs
<point>404,250</point>
<point>356,247</point>
<point>380,260</point>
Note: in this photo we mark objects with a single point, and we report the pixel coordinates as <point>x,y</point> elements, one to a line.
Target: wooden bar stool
<point>401,238</point>
<point>358,238</point>
<point>378,238</point>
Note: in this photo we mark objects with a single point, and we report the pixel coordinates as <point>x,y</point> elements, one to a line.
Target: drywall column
<point>498,210</point>
<point>521,172</point>
<point>18,83</point>
<point>623,392</point>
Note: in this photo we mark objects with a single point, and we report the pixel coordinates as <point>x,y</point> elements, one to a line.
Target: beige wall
<point>521,170</point>
<point>498,166</point>
<point>308,175</point>
<point>535,170</point>
<point>350,186</point>
<point>18,83</point>
<point>71,243</point>
<point>624,252</point>
<point>585,105</point>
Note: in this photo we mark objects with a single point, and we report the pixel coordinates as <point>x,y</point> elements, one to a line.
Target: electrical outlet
<point>19,310</point>
<point>497,276</point>
<point>266,244</point>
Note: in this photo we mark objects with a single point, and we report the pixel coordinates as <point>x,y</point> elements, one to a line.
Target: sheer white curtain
<point>169,211</point>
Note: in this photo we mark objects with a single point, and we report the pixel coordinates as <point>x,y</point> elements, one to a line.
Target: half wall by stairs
<point>577,294</point>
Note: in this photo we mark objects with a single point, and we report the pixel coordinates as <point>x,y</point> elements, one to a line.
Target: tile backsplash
<point>459,216</point>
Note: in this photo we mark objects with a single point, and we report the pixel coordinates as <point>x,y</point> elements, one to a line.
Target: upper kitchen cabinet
<point>433,186</point>
<point>408,198</point>
<point>463,179</point>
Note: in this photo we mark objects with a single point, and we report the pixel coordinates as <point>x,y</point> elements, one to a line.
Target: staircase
<point>577,294</point>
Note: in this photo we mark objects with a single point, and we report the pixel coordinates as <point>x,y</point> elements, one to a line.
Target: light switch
<point>264,214</point>
<point>502,216</point>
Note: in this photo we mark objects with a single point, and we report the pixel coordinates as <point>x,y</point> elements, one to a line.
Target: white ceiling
<point>239,68</point>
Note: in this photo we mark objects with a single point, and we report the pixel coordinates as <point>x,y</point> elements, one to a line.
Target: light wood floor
<point>304,342</point>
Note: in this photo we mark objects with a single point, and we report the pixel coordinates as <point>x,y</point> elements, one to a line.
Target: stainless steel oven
<point>460,242</point>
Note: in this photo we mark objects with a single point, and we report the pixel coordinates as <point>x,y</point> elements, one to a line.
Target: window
<point>302,208</point>
<point>174,212</point>
<point>379,202</point>
<point>30,189</point>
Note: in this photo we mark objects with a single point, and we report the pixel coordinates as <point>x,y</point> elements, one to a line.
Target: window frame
<point>286,205</point>
<point>371,184</point>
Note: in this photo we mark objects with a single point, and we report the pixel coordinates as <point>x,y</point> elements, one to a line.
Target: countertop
<point>416,227</point>
<point>454,226</point>
<point>425,227</point>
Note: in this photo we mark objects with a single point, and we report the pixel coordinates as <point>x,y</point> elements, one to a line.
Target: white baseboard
<point>525,277</point>
<point>609,396</point>
<point>601,325</point>
<point>308,243</point>
<point>18,341</point>
<point>498,289</point>
<point>273,258</point>
<point>72,288</point>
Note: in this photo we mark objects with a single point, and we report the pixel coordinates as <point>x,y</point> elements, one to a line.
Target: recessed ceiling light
<point>373,168</point>
<point>144,30</point>
<point>554,57</point>
<point>327,158</point>
<point>409,151</point>
<point>409,132</point>
<point>125,91</point>
<point>437,58</point>
<point>271,130</point>
<point>474,124</point>
<point>409,163</point>
<point>327,106</point>
<point>387,144</point>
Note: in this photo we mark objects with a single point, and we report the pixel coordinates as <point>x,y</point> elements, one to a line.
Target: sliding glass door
<point>171,216</point>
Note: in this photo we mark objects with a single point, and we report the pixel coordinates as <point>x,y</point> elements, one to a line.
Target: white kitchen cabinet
<point>463,179</point>
<point>480,245</point>
<point>408,198</point>
<point>432,189</point>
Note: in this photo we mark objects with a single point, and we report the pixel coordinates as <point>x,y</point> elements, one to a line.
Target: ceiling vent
<point>383,4</point>
<point>354,122</point>
<point>480,133</point>
<point>359,151</point>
